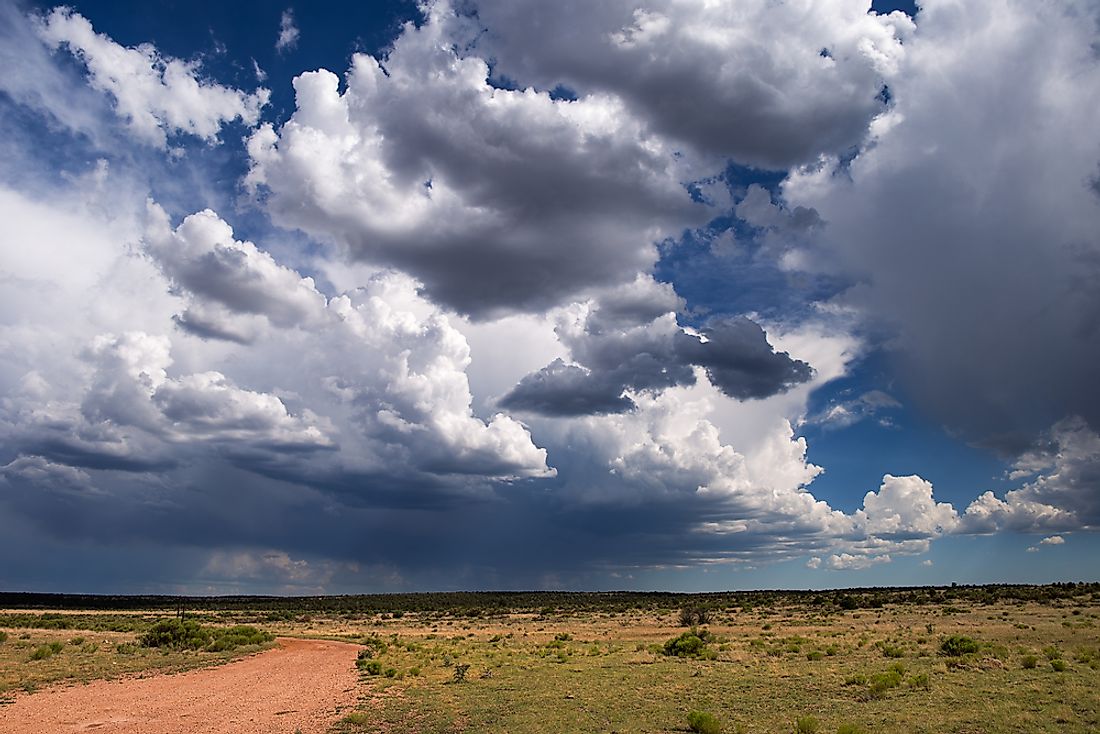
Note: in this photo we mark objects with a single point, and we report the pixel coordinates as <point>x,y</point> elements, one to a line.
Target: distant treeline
<point>479,603</point>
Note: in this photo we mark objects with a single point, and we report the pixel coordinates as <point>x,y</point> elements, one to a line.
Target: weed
<point>703,723</point>
<point>1058,665</point>
<point>958,645</point>
<point>850,729</point>
<point>807,725</point>
<point>47,650</point>
<point>1029,662</point>
<point>460,672</point>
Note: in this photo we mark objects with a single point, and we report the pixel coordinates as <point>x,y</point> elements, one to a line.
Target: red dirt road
<point>299,685</point>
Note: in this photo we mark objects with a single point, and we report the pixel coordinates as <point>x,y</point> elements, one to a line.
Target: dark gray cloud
<point>974,240</point>
<point>617,356</point>
<point>746,80</point>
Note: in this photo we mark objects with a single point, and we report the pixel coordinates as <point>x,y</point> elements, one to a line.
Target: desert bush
<point>240,635</point>
<point>1058,665</point>
<point>703,723</point>
<point>891,651</point>
<point>850,729</point>
<point>1029,662</point>
<point>815,655</point>
<point>3,636</point>
<point>690,644</point>
<point>47,650</point>
<point>957,645</point>
<point>692,616</point>
<point>76,641</point>
<point>807,725</point>
<point>1052,652</point>
<point>460,672</point>
<point>177,634</point>
<point>919,680</point>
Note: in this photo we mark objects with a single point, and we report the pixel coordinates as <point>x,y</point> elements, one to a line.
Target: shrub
<point>370,667</point>
<point>47,650</point>
<point>918,681</point>
<point>3,636</point>
<point>1052,652</point>
<point>849,729</point>
<point>76,641</point>
<point>231,638</point>
<point>704,723</point>
<point>694,615</point>
<point>883,682</point>
<point>460,672</point>
<point>1029,662</point>
<point>806,725</point>
<point>691,644</point>
<point>177,634</point>
<point>892,651</point>
<point>957,645</point>
<point>815,655</point>
<point>1058,665</point>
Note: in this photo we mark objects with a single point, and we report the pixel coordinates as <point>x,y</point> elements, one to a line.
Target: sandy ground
<point>298,685</point>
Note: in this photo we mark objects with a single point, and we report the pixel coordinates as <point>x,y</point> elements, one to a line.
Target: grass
<point>537,672</point>
<point>31,659</point>
<point>592,663</point>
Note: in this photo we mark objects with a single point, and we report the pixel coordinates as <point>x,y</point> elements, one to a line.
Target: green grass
<point>546,677</point>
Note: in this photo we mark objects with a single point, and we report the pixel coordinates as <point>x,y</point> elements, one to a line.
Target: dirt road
<point>298,685</point>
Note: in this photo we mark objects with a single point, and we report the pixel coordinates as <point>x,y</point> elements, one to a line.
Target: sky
<point>506,294</point>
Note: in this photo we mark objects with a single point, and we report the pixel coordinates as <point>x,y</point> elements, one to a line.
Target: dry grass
<point>609,676</point>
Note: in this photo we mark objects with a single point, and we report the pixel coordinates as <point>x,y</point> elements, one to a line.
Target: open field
<point>967,659</point>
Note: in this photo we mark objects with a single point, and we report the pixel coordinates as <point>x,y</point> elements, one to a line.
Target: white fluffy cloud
<point>767,84</point>
<point>156,95</point>
<point>1061,496</point>
<point>496,200</point>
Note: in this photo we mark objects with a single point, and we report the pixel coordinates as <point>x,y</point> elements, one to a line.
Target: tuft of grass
<point>1058,665</point>
<point>1029,662</point>
<point>47,650</point>
<point>807,725</point>
<point>850,729</point>
<point>704,723</point>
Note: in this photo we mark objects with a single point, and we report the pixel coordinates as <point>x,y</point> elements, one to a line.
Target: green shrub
<point>806,725</point>
<point>1058,665</point>
<point>460,672</point>
<point>47,650</point>
<point>918,681</point>
<point>1029,662</point>
<point>76,641</point>
<point>957,645</point>
<point>704,723</point>
<point>230,638</point>
<point>1052,652</point>
<point>691,644</point>
<point>177,634</point>
<point>892,651</point>
<point>849,729</point>
<point>882,682</point>
<point>815,655</point>
<point>370,667</point>
<point>3,636</point>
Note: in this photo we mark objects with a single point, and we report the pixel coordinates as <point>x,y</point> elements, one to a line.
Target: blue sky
<point>498,294</point>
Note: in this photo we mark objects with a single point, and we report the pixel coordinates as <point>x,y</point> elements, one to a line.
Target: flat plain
<point>957,659</point>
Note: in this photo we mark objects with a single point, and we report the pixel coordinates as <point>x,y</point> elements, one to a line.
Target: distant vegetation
<point>187,634</point>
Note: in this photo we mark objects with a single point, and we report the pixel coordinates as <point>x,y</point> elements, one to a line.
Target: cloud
<point>230,282</point>
<point>844,413</point>
<point>512,201</point>
<point>970,227</point>
<point>288,32</point>
<point>157,96</point>
<point>1053,540</point>
<point>767,84</point>
<point>1063,494</point>
<point>627,342</point>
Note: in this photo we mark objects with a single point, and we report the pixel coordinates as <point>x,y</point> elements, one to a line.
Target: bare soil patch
<point>302,684</point>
